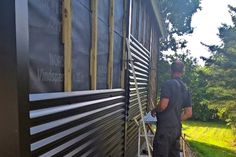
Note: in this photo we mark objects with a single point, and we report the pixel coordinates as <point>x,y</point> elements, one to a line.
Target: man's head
<point>177,68</point>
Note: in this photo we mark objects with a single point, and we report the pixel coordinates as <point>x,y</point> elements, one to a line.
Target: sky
<point>206,23</point>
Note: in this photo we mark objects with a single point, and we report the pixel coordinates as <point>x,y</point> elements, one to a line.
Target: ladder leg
<point>139,129</point>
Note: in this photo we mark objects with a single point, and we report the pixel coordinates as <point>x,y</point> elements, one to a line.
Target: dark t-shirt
<point>179,97</point>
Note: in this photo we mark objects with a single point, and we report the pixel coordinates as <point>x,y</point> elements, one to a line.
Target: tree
<point>177,16</point>
<point>221,74</point>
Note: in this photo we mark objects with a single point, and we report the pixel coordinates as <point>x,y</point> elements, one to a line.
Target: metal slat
<point>143,95</point>
<point>135,95</point>
<point>55,139</point>
<point>139,44</point>
<point>139,74</point>
<point>140,70</point>
<point>62,129</point>
<point>63,95</point>
<point>139,49</point>
<point>134,112</point>
<point>132,131</point>
<point>134,100</point>
<point>133,148</point>
<point>54,149</point>
<point>139,84</point>
<point>108,127</point>
<point>115,124</point>
<point>136,103</point>
<point>137,52</point>
<point>117,150</point>
<point>77,134</point>
<point>132,86</point>
<point>51,114</point>
<point>138,59</point>
<point>133,138</point>
<point>139,79</point>
<point>142,88</point>
<point>138,64</point>
<point>53,110</point>
<point>53,124</point>
<point>85,122</point>
<point>109,143</point>
<point>145,84</point>
<point>80,150</point>
<point>44,100</point>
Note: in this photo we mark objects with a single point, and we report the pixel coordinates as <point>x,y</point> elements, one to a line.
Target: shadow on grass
<point>208,150</point>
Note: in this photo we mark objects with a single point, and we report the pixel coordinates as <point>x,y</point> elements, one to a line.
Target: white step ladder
<point>149,121</point>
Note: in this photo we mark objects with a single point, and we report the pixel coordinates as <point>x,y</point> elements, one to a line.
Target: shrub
<point>203,113</point>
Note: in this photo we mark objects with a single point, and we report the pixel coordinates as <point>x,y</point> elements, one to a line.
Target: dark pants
<point>166,142</point>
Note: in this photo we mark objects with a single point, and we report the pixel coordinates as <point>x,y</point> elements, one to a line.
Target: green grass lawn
<point>210,139</point>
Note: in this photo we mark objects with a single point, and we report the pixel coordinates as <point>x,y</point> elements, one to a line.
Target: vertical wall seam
<point>124,66</point>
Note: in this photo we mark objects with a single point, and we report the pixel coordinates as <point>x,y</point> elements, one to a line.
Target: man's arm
<point>162,105</point>
<point>164,101</point>
<point>187,113</point>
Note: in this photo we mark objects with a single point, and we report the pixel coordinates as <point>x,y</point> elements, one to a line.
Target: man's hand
<point>154,112</point>
<point>187,113</point>
<point>162,105</point>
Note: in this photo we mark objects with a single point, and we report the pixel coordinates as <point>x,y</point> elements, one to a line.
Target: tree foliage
<point>221,73</point>
<point>177,15</point>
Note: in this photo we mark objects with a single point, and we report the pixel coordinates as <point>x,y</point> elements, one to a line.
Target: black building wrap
<point>46,49</point>
<point>81,38</point>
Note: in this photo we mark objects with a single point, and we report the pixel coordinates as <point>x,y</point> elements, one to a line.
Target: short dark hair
<point>177,66</point>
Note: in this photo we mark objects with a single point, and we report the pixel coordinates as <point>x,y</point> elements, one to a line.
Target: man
<point>175,105</point>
